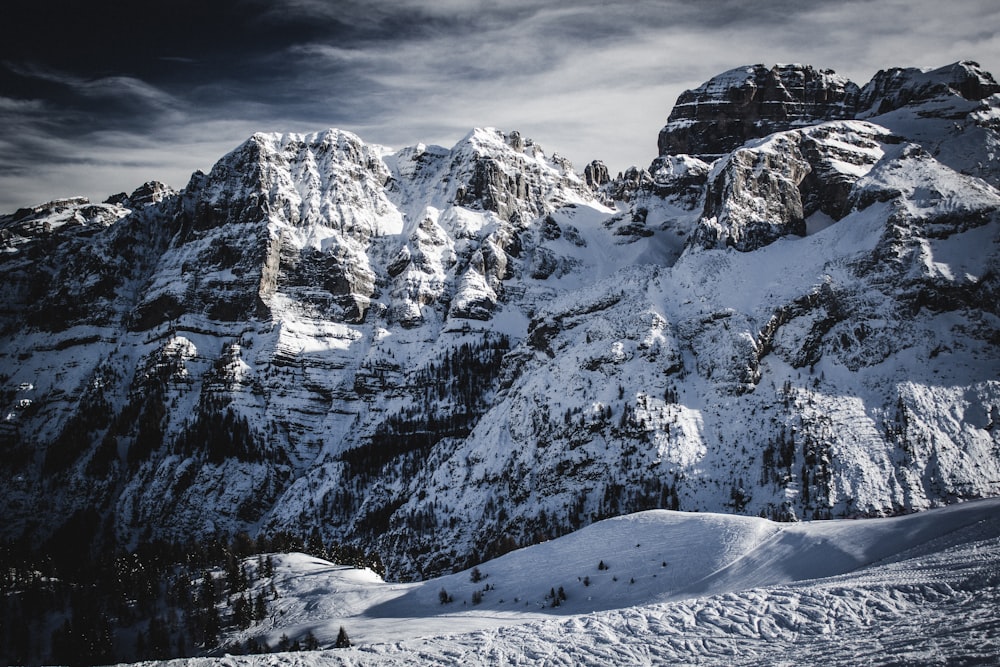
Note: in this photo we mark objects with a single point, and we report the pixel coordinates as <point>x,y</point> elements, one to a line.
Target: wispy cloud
<point>116,89</point>
<point>589,78</point>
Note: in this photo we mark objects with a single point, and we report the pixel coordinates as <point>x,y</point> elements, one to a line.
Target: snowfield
<point>669,587</point>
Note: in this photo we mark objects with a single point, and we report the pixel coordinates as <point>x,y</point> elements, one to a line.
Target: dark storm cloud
<point>96,97</point>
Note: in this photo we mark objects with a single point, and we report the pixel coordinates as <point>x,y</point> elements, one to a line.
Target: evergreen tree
<point>259,607</point>
<point>268,569</point>
<point>242,612</point>
<point>342,639</point>
<point>211,625</point>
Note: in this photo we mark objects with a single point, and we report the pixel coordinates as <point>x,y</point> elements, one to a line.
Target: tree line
<point>63,603</point>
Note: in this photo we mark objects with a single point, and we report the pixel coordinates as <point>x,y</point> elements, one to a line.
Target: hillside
<point>695,588</point>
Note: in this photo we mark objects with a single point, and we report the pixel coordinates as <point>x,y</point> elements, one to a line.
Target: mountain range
<point>442,354</point>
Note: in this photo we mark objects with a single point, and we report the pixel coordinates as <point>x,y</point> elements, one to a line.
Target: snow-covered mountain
<point>444,354</point>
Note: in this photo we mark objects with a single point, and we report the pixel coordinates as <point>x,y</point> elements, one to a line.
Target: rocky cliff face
<point>898,87</point>
<point>800,173</point>
<point>751,102</point>
<point>444,353</point>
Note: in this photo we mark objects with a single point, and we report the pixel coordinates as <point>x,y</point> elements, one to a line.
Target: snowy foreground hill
<point>668,587</point>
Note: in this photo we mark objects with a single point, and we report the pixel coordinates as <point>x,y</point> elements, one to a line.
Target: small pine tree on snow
<point>259,607</point>
<point>268,566</point>
<point>476,576</point>
<point>562,593</point>
<point>443,597</point>
<point>242,612</point>
<point>342,639</point>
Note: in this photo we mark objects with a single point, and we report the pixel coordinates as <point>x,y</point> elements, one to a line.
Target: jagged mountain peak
<point>150,192</point>
<point>490,170</point>
<point>491,139</point>
<point>302,180</point>
<point>898,86</point>
<point>753,101</point>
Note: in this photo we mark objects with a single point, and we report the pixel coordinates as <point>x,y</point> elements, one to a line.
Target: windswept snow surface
<point>677,588</point>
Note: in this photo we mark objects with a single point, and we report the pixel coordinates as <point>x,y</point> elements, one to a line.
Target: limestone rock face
<point>951,111</point>
<point>893,88</point>
<point>280,215</point>
<point>151,192</point>
<point>679,177</point>
<point>754,101</point>
<point>509,175</point>
<point>754,197</point>
<point>474,203</point>
<point>767,189</point>
<point>596,174</point>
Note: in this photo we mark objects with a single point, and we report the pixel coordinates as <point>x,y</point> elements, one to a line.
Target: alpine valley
<point>440,355</point>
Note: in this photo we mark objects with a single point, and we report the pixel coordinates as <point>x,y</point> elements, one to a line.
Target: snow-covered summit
<point>897,87</point>
<point>506,174</point>
<point>754,101</point>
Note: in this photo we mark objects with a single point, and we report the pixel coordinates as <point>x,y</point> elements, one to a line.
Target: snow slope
<point>684,588</point>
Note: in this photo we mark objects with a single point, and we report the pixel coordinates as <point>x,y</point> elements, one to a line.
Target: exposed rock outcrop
<point>151,192</point>
<point>897,87</point>
<point>751,102</point>
<point>767,189</point>
<point>596,174</point>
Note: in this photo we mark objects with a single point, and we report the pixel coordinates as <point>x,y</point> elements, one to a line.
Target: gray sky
<point>98,97</point>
